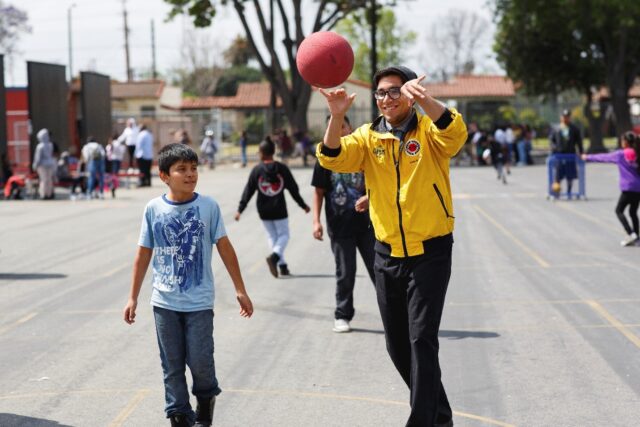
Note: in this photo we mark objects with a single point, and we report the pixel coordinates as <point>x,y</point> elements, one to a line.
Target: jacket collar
<point>380,125</point>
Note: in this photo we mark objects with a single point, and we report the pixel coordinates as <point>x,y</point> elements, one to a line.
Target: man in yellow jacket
<point>405,157</point>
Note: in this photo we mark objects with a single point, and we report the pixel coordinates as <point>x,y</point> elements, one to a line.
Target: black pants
<point>411,293</point>
<point>131,149</point>
<point>145,170</point>
<point>631,199</point>
<point>344,252</point>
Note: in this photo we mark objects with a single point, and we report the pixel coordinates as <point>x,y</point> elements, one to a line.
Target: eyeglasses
<point>393,92</point>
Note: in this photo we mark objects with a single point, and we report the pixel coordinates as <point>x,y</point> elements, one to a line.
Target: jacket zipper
<point>446,212</point>
<point>397,164</point>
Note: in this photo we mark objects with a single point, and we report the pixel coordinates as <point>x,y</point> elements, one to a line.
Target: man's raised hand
<point>338,101</point>
<point>413,89</point>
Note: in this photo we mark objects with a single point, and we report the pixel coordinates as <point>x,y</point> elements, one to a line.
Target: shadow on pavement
<point>368,331</point>
<point>310,276</point>
<point>31,276</point>
<point>12,420</point>
<point>458,335</point>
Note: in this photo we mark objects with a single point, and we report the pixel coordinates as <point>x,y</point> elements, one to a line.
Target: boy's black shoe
<point>284,270</point>
<point>204,412</point>
<point>179,420</point>
<point>272,261</point>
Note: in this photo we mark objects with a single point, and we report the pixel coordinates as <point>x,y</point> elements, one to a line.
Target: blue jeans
<point>96,176</point>
<point>186,339</point>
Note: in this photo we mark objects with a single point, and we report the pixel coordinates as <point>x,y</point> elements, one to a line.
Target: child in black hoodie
<point>270,178</point>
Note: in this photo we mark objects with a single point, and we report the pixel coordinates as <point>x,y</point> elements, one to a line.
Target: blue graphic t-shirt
<point>342,191</point>
<point>182,236</point>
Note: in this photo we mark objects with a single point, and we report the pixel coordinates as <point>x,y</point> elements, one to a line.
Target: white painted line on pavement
<point>525,248</point>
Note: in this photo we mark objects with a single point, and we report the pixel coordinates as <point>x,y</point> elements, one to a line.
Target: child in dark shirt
<point>270,178</point>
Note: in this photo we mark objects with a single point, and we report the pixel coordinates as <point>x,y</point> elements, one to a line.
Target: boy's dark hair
<point>173,153</point>
<point>346,119</point>
<point>267,148</point>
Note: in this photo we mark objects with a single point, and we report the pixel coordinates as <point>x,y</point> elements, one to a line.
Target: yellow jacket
<point>409,190</point>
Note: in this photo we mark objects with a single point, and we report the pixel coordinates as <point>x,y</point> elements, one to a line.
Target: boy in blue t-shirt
<point>178,232</point>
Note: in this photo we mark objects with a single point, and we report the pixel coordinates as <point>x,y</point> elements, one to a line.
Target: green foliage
<point>254,125</point>
<point>202,11</point>
<point>239,52</point>
<point>232,77</point>
<point>529,116</point>
<point>508,114</point>
<point>392,41</point>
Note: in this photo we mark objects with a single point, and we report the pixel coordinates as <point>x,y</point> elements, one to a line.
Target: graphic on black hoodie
<point>271,185</point>
<point>270,180</point>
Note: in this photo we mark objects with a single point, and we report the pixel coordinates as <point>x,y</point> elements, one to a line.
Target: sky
<point>98,35</point>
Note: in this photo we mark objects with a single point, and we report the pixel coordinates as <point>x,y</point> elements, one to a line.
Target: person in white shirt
<point>144,155</point>
<point>115,154</point>
<point>129,137</point>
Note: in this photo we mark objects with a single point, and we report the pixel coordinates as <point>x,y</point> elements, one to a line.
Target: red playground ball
<point>325,59</point>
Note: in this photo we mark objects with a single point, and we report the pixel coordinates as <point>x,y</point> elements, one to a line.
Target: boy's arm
<point>230,260</point>
<point>291,185</point>
<point>140,265</point>
<point>318,195</point>
<point>249,189</point>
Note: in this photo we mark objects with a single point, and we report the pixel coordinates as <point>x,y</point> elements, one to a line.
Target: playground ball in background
<point>555,187</point>
<point>324,59</point>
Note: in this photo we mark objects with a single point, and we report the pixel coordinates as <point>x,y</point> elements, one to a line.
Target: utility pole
<point>126,41</point>
<point>273,99</point>
<point>69,41</point>
<point>373,58</point>
<point>154,74</point>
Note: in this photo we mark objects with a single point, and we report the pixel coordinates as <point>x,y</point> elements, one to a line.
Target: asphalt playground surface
<point>541,325</point>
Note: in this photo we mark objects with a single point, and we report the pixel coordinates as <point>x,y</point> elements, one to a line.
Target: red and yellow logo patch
<point>412,147</point>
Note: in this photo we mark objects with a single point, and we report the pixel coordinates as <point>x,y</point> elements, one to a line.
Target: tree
<point>392,41</point>
<point>560,45</point>
<point>294,92</point>
<point>232,77</point>
<point>239,53</point>
<point>13,23</point>
<point>458,40</point>
<point>198,73</point>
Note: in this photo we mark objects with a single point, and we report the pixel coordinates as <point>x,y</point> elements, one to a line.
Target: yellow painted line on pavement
<point>128,410</point>
<point>18,322</point>
<point>533,254</point>
<point>362,399</point>
<point>142,393</point>
<point>588,217</point>
<point>614,322</point>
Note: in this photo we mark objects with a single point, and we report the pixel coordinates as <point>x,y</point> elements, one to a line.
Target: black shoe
<point>284,270</point>
<point>272,261</point>
<point>204,412</point>
<point>179,420</point>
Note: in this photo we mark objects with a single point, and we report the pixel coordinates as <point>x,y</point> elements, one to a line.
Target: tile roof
<point>249,95</point>
<point>468,86</point>
<point>141,89</point>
